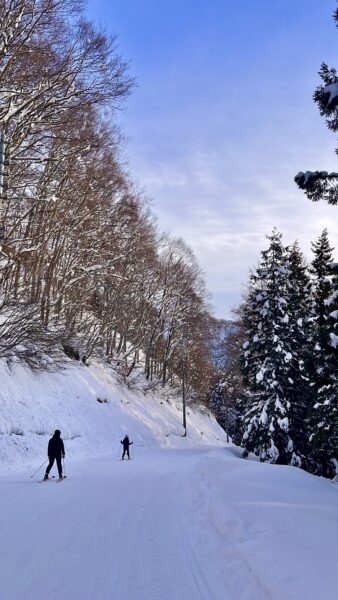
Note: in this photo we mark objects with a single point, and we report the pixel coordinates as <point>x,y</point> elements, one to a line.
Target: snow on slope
<point>189,520</point>
<point>33,405</point>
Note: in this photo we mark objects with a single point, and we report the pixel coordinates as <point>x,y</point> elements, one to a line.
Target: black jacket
<point>56,447</point>
<point>126,443</point>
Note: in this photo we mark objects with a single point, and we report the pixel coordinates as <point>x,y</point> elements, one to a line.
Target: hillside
<point>33,405</point>
<point>186,518</point>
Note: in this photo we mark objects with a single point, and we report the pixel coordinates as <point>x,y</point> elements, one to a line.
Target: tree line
<point>278,394</point>
<point>84,269</point>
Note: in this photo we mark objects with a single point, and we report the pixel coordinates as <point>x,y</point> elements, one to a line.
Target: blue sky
<point>221,120</point>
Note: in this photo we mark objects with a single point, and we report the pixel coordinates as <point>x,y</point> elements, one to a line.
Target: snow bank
<point>33,405</point>
<point>277,527</point>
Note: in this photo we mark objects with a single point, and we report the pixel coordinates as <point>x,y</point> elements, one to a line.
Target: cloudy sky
<point>221,120</point>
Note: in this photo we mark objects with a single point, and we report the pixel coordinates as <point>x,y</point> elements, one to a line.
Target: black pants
<point>125,450</point>
<point>58,462</point>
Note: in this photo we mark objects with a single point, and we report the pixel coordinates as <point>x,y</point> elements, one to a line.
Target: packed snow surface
<point>185,519</point>
<point>194,523</point>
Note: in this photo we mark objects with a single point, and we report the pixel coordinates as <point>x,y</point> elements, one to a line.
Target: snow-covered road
<point>195,524</point>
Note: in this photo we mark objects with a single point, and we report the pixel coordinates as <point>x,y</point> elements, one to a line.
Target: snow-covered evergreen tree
<point>321,185</point>
<point>273,366</point>
<point>323,419</point>
<point>299,309</point>
<point>216,401</point>
<point>322,289</point>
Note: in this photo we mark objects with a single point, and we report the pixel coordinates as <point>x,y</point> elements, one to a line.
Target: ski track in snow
<point>195,524</point>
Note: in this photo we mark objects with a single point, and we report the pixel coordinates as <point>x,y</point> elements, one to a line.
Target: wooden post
<point>183,399</point>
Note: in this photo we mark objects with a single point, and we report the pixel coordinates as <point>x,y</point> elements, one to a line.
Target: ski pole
<point>64,470</point>
<point>35,472</point>
<point>119,452</point>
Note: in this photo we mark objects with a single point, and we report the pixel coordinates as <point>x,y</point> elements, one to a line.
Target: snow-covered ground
<point>186,524</point>
<point>186,519</point>
<point>33,405</point>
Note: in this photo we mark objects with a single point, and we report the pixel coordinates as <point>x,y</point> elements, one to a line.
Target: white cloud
<point>216,145</point>
<point>224,210</point>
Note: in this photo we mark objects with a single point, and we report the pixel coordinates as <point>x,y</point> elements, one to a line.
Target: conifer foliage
<point>287,411</point>
<point>321,185</point>
<point>273,365</point>
<point>323,421</point>
<point>322,290</point>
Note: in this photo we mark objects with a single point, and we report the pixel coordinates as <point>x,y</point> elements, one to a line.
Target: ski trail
<point>197,524</point>
<point>112,534</point>
<point>155,542</point>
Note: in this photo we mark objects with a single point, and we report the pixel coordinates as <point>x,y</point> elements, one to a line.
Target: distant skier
<point>56,451</point>
<point>126,443</point>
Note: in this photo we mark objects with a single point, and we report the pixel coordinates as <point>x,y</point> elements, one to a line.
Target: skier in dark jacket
<point>126,443</point>
<point>56,451</point>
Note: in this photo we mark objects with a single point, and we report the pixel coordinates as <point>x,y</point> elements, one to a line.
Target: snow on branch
<point>319,185</point>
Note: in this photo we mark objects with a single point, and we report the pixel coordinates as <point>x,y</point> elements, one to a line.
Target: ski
<point>53,478</point>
